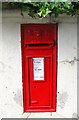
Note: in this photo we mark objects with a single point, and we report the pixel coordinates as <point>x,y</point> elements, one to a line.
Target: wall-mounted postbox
<point>39,67</point>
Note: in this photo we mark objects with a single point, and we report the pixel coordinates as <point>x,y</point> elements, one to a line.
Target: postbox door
<point>40,80</point>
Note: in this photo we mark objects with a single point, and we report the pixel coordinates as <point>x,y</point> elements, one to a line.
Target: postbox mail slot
<point>39,46</point>
<point>39,67</point>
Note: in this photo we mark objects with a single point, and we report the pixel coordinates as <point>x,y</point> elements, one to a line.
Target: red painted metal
<point>39,41</point>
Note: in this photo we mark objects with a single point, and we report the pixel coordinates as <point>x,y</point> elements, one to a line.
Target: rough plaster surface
<point>78,65</point>
<point>11,73</point>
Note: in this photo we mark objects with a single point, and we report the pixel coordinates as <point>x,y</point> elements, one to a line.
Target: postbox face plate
<point>39,63</point>
<point>40,83</point>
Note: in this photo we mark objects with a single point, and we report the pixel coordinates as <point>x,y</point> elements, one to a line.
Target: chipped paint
<point>62,98</point>
<point>18,97</point>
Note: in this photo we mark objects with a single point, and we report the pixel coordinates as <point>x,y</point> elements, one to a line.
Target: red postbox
<point>39,67</point>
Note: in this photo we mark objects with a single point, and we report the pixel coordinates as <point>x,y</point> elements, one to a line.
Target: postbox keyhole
<point>34,86</point>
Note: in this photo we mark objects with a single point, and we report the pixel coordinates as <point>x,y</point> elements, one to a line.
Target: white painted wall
<point>11,71</point>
